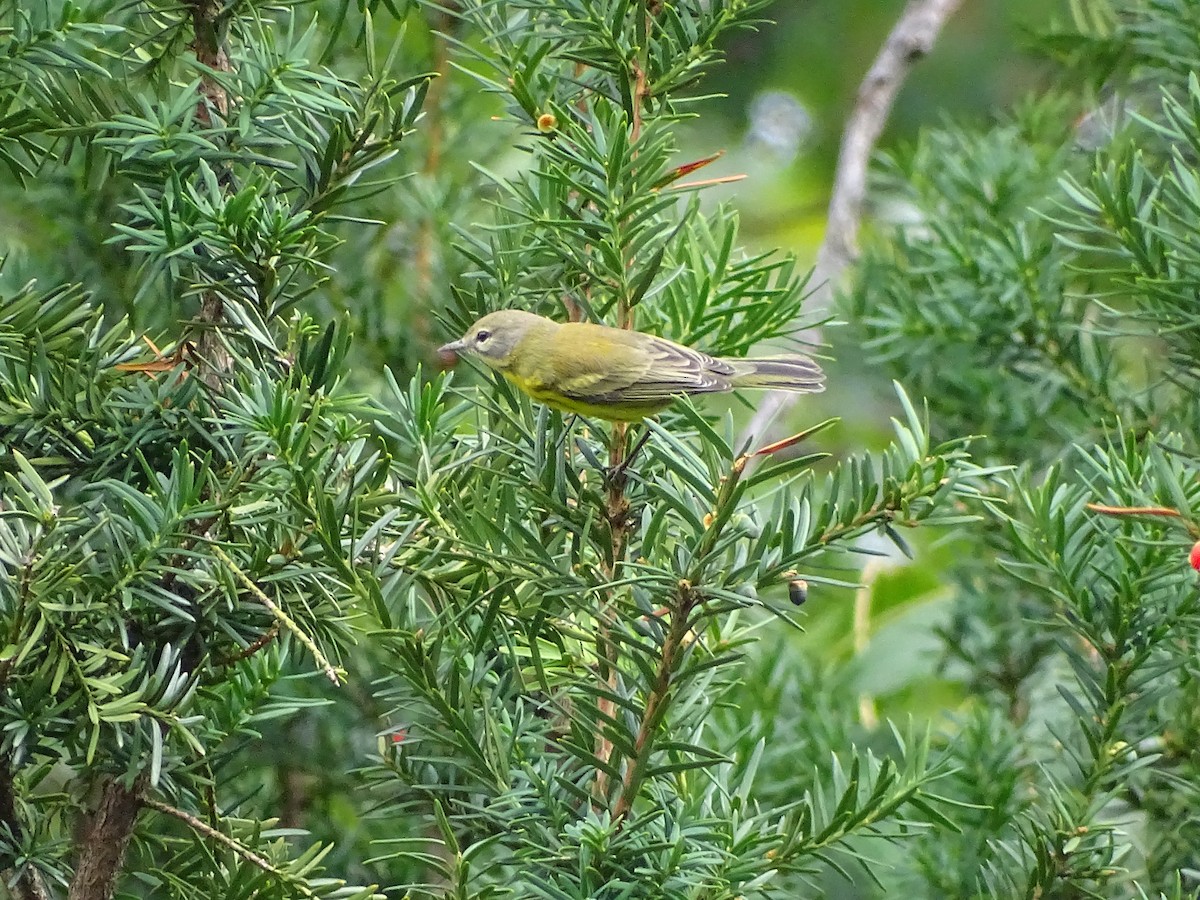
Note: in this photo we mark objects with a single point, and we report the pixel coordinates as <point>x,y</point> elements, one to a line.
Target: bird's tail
<point>778,373</point>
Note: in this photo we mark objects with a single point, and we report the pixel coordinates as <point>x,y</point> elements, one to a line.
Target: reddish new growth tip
<point>1194,556</point>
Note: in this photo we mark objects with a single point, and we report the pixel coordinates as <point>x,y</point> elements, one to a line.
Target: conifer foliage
<point>278,620</point>
<point>1047,299</point>
<point>201,522</point>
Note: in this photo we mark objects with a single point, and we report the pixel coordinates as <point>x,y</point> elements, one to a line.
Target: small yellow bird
<point>609,373</point>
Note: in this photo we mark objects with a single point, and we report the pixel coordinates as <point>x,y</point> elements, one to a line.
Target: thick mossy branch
<point>104,836</point>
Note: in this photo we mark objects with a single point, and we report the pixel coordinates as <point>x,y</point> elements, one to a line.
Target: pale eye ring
<point>481,337</point>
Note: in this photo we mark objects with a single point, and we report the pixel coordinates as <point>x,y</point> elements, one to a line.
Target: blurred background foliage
<point>996,117</point>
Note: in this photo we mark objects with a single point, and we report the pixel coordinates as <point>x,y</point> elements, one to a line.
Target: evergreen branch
<point>238,848</point>
<point>684,600</point>
<point>282,617</point>
<point>26,882</point>
<point>616,507</point>
<point>724,507</point>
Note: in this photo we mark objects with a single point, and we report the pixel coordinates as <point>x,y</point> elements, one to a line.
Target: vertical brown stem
<point>210,51</point>
<point>683,601</point>
<point>616,507</point>
<point>105,835</point>
<point>639,95</point>
<point>616,514</point>
<point>209,47</point>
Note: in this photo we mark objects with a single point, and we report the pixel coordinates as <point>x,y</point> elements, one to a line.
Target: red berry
<point>1194,556</point>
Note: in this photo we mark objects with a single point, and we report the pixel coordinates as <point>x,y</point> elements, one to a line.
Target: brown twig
<point>911,38</point>
<point>1133,510</point>
<point>250,649</point>
<point>639,95</point>
<point>280,616</point>
<point>209,47</point>
<point>203,828</point>
<point>683,602</point>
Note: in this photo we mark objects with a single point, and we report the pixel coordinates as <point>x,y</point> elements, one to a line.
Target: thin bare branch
<point>203,828</point>
<point>911,39</point>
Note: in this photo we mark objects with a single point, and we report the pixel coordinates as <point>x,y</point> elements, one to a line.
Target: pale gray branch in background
<point>912,38</point>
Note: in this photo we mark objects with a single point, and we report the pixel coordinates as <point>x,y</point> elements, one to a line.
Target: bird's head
<point>494,337</point>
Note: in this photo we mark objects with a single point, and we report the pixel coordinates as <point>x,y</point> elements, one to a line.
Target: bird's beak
<point>452,347</point>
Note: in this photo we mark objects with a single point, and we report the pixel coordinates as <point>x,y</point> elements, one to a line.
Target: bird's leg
<point>637,448</point>
<point>615,475</point>
<point>566,433</point>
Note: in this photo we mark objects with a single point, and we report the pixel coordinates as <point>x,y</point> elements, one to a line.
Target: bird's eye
<point>481,337</point>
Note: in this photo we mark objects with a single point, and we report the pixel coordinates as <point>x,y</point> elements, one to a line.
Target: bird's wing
<point>616,367</point>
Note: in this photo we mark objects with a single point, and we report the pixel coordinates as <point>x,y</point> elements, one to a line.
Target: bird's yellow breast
<point>545,393</point>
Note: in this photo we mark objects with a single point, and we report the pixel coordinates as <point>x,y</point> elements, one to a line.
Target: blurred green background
<point>816,54</point>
